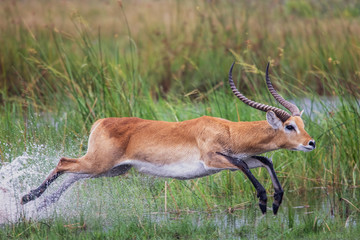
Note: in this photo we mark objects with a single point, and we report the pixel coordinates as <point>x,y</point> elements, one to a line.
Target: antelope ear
<point>273,120</point>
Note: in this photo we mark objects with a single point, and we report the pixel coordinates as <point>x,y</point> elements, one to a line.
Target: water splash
<point>96,198</point>
<point>18,177</point>
<point>12,182</point>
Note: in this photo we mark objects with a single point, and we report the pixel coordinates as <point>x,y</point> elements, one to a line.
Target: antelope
<point>186,150</point>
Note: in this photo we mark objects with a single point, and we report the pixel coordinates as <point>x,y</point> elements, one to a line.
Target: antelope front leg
<point>261,193</point>
<point>279,192</point>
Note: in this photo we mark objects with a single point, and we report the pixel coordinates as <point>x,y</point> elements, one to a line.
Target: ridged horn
<point>291,107</point>
<point>263,107</point>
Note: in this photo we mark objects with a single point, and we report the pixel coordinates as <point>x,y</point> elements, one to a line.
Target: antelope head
<point>290,128</point>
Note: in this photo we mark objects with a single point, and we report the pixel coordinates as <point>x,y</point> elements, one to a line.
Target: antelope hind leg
<point>64,165</point>
<point>33,194</point>
<point>72,178</point>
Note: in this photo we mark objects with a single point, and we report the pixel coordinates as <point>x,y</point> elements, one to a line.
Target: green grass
<point>183,227</point>
<point>61,69</point>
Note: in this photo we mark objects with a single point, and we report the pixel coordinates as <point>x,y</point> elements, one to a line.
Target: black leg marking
<point>261,193</point>
<point>279,192</point>
<point>40,190</point>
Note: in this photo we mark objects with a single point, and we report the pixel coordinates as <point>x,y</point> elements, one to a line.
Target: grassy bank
<point>65,64</point>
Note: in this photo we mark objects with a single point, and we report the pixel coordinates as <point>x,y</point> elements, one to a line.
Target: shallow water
<point>106,202</point>
<point>321,106</point>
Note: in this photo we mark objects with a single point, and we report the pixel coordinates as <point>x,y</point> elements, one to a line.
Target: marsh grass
<point>61,71</point>
<point>184,227</point>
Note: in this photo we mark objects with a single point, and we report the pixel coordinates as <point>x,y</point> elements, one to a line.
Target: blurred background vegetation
<point>174,46</point>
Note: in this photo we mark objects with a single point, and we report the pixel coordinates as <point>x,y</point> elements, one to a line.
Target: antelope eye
<point>290,127</point>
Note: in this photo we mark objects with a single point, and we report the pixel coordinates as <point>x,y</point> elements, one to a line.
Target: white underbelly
<point>180,170</point>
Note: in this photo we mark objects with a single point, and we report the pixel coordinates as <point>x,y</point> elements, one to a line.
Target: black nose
<point>312,143</point>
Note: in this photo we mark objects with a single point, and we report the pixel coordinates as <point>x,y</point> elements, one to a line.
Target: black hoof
<point>278,195</point>
<point>275,208</point>
<point>27,198</point>
<point>262,208</point>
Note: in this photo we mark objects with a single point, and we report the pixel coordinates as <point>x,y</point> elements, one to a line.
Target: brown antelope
<point>186,150</point>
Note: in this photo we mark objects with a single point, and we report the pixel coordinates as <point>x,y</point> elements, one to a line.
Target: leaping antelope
<point>186,150</point>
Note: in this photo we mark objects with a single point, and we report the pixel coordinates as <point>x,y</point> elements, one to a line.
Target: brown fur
<point>114,140</point>
<point>188,149</point>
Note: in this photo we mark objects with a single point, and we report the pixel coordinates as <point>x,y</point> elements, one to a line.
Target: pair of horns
<point>283,115</point>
